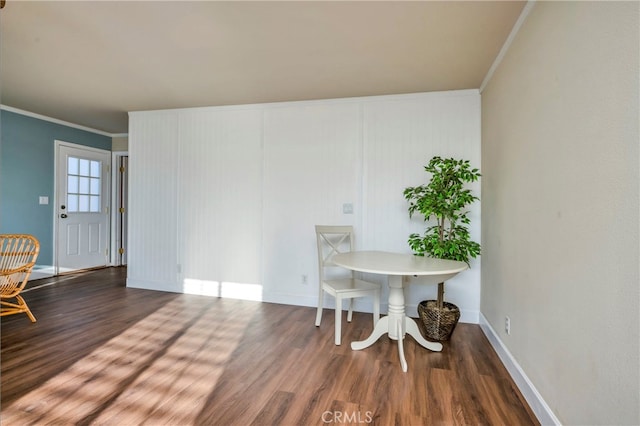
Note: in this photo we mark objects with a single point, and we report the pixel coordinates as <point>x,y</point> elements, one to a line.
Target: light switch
<point>44,199</point>
<point>347,208</point>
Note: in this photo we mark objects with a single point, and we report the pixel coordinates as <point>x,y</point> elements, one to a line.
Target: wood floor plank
<point>101,353</point>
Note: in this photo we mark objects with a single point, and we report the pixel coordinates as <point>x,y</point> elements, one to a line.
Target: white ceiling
<point>90,62</point>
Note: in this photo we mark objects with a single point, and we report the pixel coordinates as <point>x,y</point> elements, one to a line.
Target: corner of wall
<point>531,395</point>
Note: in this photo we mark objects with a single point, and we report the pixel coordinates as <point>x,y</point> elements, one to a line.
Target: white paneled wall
<point>220,198</point>
<point>311,169</point>
<point>400,137</point>
<point>153,243</point>
<point>241,189</point>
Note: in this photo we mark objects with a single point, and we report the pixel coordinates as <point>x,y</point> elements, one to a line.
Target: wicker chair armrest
<point>23,268</point>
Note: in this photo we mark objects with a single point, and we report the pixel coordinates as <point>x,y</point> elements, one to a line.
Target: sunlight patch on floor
<point>161,370</point>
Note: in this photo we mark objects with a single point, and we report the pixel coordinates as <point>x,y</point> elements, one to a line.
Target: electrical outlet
<point>507,325</point>
<point>305,279</point>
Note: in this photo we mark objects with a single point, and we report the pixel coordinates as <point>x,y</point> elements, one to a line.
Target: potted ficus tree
<point>443,204</point>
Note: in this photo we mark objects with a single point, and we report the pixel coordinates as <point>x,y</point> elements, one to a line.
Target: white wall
<point>240,189</point>
<point>153,202</point>
<point>560,208</point>
<point>399,139</point>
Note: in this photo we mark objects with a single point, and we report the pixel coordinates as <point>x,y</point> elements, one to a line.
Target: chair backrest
<point>331,241</point>
<point>18,254</point>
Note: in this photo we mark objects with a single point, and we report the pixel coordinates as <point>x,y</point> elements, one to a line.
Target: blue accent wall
<point>27,156</point>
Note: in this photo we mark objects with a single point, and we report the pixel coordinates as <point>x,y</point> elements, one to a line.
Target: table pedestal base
<point>396,325</point>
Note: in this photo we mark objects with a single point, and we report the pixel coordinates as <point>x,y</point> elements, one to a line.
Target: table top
<point>382,262</point>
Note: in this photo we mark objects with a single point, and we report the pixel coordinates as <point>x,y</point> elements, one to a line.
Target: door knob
<point>64,216</point>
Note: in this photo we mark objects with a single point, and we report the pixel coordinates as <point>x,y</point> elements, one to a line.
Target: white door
<point>82,199</point>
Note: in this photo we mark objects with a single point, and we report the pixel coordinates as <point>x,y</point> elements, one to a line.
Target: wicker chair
<point>18,254</point>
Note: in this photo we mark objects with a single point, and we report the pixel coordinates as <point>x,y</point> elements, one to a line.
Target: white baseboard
<point>39,272</point>
<point>531,395</point>
<point>153,285</point>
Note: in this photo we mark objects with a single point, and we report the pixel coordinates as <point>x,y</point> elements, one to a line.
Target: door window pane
<point>94,204</point>
<point>95,187</point>
<point>73,165</point>
<point>83,206</point>
<point>84,167</point>
<point>95,169</point>
<point>72,203</point>
<point>72,184</point>
<point>84,185</point>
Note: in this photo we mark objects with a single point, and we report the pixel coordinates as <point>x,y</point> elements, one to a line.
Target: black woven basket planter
<point>438,323</point>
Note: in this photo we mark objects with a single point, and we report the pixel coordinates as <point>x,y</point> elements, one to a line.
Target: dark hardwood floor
<point>102,353</point>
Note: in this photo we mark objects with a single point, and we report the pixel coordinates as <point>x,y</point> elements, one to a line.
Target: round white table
<point>397,266</point>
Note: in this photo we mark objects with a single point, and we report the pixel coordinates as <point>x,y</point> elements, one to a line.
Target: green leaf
<point>444,200</point>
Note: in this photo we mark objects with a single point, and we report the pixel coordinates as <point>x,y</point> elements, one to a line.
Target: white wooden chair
<point>18,254</point>
<point>332,240</point>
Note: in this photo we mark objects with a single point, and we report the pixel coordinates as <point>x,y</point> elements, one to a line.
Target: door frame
<point>114,259</point>
<point>56,232</point>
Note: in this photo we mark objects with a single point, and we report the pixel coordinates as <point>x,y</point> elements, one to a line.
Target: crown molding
<point>55,120</point>
<point>507,43</point>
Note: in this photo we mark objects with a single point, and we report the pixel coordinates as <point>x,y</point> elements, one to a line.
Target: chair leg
<point>338,320</point>
<point>26,308</point>
<point>319,312</point>
<point>350,313</point>
<point>10,308</point>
